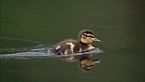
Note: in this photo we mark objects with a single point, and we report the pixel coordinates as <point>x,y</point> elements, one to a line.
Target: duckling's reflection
<point>87,63</point>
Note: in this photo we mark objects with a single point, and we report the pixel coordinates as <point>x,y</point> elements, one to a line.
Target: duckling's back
<point>66,47</point>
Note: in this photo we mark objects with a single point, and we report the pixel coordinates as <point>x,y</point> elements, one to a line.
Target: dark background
<point>120,24</point>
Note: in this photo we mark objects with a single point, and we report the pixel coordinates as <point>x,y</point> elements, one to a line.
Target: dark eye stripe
<point>89,66</point>
<point>89,36</point>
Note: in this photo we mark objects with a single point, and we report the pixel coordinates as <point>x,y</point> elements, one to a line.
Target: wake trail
<point>45,52</point>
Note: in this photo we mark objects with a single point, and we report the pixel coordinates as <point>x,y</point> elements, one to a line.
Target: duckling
<point>70,46</point>
<point>86,63</point>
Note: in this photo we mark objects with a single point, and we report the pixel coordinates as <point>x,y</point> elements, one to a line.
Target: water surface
<point>119,24</point>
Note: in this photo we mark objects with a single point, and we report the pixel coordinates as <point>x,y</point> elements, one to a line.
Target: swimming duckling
<point>86,63</point>
<point>66,47</point>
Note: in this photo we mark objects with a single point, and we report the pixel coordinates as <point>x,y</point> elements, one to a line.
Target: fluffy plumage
<point>86,38</point>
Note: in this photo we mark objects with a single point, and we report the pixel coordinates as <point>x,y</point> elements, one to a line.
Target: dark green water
<point>120,24</point>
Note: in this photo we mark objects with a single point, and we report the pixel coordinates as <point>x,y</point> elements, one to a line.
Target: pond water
<point>119,24</point>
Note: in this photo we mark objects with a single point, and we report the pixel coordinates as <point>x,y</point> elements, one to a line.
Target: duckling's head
<point>88,37</point>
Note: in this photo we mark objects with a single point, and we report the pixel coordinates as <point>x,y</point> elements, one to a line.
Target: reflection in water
<point>86,63</point>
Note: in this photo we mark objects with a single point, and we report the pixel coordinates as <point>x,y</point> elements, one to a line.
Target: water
<point>118,23</point>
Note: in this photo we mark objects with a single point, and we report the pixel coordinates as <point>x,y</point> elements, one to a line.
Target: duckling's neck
<point>83,43</point>
<point>85,46</point>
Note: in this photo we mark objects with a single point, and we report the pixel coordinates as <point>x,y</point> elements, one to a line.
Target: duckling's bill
<point>96,40</point>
